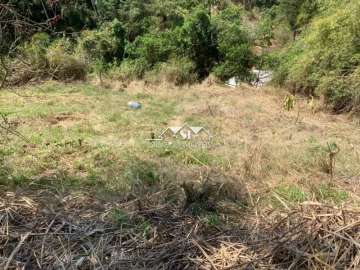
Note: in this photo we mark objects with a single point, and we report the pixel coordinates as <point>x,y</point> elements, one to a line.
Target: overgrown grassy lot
<point>84,154</point>
<point>87,136</point>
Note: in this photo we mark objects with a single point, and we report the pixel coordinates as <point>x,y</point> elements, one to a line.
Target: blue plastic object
<point>134,105</point>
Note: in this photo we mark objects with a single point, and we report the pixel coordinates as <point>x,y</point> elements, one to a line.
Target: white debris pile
<point>262,77</point>
<point>232,82</point>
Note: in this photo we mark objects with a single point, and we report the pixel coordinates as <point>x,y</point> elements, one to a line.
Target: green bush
<point>151,48</point>
<point>326,58</point>
<point>63,65</point>
<point>178,71</point>
<point>141,172</point>
<point>105,44</point>
<point>42,58</point>
<point>130,69</point>
<point>34,52</point>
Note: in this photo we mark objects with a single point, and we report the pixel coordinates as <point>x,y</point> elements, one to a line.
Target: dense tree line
<point>136,36</point>
<point>187,40</point>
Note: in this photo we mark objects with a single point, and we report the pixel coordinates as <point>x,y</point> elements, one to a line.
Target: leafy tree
<point>290,9</point>
<point>136,17</point>
<point>308,10</point>
<point>265,30</point>
<point>168,14</point>
<point>234,45</point>
<point>298,13</point>
<point>109,9</point>
<point>69,16</point>
<point>197,40</point>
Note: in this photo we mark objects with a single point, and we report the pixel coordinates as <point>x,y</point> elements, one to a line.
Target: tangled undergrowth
<point>53,231</point>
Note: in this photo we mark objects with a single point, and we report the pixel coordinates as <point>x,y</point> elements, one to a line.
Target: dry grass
<point>79,232</point>
<point>255,138</point>
<point>255,180</point>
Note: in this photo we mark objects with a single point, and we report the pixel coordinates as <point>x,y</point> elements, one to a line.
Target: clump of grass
<point>291,193</point>
<point>257,163</point>
<point>120,217</point>
<point>207,196</point>
<point>213,220</point>
<point>141,172</point>
<point>201,157</point>
<point>119,118</point>
<point>11,181</point>
<point>136,223</point>
<point>142,96</point>
<point>311,156</point>
<point>185,153</point>
<point>196,121</point>
<point>329,193</point>
<point>318,155</point>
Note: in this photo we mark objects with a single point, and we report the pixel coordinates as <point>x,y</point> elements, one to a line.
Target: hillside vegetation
<point>122,145</point>
<point>313,46</point>
<point>325,59</point>
<point>128,40</point>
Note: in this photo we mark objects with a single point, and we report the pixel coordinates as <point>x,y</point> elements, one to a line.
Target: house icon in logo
<point>185,132</point>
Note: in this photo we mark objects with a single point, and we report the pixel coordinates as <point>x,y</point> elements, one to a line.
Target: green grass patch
<point>120,217</point>
<point>213,219</point>
<point>291,193</point>
<point>141,172</point>
<point>196,121</point>
<point>329,193</point>
<point>137,223</point>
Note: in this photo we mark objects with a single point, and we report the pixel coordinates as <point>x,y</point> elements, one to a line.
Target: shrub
<point>343,93</point>
<point>35,49</point>
<point>150,47</point>
<point>326,58</point>
<point>30,61</point>
<point>63,65</point>
<point>41,58</point>
<point>178,71</point>
<point>105,44</point>
<point>130,69</point>
<point>34,54</point>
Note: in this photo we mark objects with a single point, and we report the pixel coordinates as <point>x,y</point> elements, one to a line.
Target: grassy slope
<point>278,155</point>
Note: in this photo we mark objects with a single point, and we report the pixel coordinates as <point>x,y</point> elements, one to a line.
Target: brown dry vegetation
<point>86,190</point>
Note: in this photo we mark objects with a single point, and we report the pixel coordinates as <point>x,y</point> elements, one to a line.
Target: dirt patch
<point>63,119</point>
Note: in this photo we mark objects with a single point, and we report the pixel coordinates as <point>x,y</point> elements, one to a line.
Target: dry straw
<point>75,232</point>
